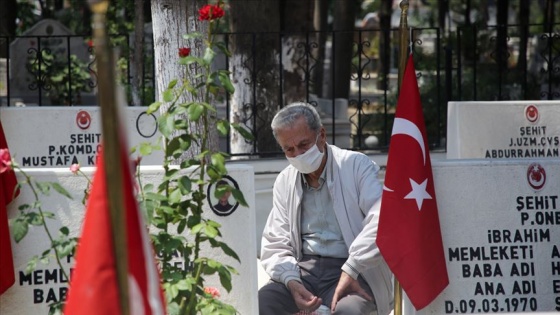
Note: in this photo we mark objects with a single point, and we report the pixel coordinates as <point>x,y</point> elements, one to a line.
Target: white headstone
<point>499,223</point>
<point>31,294</point>
<point>48,137</point>
<point>504,129</point>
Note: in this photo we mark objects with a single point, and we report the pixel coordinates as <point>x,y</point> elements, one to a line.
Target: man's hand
<point>304,299</point>
<point>346,285</point>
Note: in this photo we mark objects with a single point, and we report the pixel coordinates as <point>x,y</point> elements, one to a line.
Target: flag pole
<point>403,56</point>
<point>111,145</point>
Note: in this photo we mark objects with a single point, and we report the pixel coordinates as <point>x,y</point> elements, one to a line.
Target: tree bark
<point>320,23</point>
<point>138,53</point>
<point>524,12</point>
<point>384,64</point>
<point>255,72</point>
<point>296,23</point>
<point>172,19</point>
<point>501,42</point>
<point>7,25</point>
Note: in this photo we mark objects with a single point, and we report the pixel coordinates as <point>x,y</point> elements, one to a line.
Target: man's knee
<point>354,305</point>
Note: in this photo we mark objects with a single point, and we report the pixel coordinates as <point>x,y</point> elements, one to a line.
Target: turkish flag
<point>409,235</point>
<point>8,184</point>
<point>93,285</point>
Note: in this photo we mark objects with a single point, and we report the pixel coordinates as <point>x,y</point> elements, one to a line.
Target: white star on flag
<point>418,192</point>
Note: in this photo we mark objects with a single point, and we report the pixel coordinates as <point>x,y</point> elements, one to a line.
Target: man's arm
<point>277,251</point>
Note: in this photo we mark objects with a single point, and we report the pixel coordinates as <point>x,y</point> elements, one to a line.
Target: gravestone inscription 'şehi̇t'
<point>500,228</point>
<point>503,130</point>
<point>57,137</point>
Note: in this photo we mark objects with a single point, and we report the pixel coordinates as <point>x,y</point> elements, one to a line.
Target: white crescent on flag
<point>406,127</point>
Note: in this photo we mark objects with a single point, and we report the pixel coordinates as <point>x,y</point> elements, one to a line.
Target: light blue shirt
<point>320,232</point>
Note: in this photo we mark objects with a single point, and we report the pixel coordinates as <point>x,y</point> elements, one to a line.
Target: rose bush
<point>181,232</point>
<point>175,207</point>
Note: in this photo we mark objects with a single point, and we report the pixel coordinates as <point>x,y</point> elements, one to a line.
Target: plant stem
<point>44,222</point>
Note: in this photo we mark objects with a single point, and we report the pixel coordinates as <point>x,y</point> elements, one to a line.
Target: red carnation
<point>184,51</point>
<point>210,12</point>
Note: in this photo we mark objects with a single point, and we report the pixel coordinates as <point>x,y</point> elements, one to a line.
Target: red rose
<point>210,12</point>
<point>184,51</point>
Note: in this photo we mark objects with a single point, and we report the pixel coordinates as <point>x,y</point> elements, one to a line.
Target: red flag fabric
<point>8,183</point>
<point>409,235</point>
<point>93,285</point>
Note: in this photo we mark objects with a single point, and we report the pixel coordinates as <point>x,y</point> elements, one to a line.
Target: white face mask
<point>309,161</point>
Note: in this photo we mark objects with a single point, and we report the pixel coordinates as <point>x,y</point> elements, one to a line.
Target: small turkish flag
<point>409,235</point>
<point>8,183</point>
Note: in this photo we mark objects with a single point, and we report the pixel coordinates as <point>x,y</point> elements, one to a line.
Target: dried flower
<point>74,168</point>
<point>5,160</point>
<point>210,12</point>
<point>184,52</point>
<point>212,291</point>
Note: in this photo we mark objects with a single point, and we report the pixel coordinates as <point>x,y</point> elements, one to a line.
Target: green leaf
<point>223,127</point>
<point>226,82</point>
<point>154,196</point>
<point>192,35</point>
<point>181,226</point>
<point>64,230</point>
<point>175,196</point>
<point>210,231</point>
<point>238,195</point>
<point>185,184</point>
<point>172,84</point>
<point>153,107</point>
<point>166,125</point>
<point>61,190</point>
<point>244,132</point>
<point>172,290</point>
<point>191,59</point>
<point>34,218</point>
<point>173,146</point>
<point>19,229</point>
<point>31,265</point>
<point>49,215</point>
<point>168,95</point>
<point>197,228</point>
<point>149,187</point>
<point>44,188</point>
<point>209,55</point>
<point>228,251</point>
<point>195,110</point>
<point>145,148</point>
<point>219,162</point>
<point>222,47</point>
<point>225,280</point>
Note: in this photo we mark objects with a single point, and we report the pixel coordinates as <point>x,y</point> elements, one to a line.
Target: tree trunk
<point>320,23</point>
<point>501,42</point>
<point>296,23</point>
<point>524,10</point>
<point>7,25</point>
<point>343,26</point>
<point>255,72</point>
<point>384,64</point>
<point>138,53</point>
<point>443,9</point>
<point>172,19</point>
